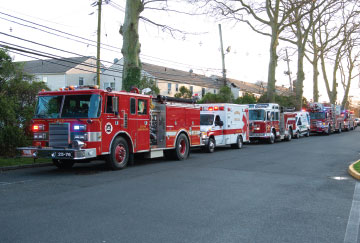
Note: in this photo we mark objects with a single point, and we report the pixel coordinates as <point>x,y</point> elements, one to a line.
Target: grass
<point>21,161</point>
<point>357,166</point>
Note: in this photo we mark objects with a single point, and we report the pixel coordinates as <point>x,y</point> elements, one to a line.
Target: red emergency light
<point>221,108</point>
<point>210,108</point>
<point>216,108</point>
<point>36,128</point>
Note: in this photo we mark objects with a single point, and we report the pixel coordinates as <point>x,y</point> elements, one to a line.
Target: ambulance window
<point>299,122</point>
<point>277,118</point>
<point>142,107</point>
<point>132,106</point>
<point>109,105</point>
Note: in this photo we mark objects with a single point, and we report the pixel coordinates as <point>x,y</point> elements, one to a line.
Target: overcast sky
<point>247,61</point>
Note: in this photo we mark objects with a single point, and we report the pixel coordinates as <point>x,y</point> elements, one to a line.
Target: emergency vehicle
<point>302,124</point>
<point>75,125</point>
<point>224,124</point>
<point>325,118</point>
<point>269,122</point>
<point>349,120</point>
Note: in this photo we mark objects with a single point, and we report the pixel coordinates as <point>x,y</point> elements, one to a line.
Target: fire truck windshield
<point>206,119</point>
<point>74,106</point>
<point>257,115</point>
<point>317,115</point>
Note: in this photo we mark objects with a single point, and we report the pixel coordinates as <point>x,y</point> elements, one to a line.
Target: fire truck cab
<point>224,124</point>
<point>325,118</point>
<point>268,122</point>
<point>77,125</point>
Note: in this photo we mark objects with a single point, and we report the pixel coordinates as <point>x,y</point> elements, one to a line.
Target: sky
<point>247,60</point>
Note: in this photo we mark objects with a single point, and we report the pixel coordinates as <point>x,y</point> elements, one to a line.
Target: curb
<point>353,172</point>
<point>15,167</point>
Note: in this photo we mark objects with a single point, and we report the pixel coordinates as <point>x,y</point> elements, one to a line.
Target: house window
<point>81,81</point>
<point>192,89</point>
<point>44,79</point>
<point>177,87</point>
<point>112,85</point>
<point>202,91</point>
<point>169,88</point>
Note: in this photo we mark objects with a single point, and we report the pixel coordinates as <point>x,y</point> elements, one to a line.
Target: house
<point>59,73</point>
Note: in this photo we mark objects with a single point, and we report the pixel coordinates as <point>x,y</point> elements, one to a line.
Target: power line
<point>117,48</point>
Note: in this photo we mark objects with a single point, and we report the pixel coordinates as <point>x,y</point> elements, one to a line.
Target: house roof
<point>179,76</point>
<point>54,65</point>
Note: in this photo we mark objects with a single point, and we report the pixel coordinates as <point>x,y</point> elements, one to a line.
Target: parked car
<point>357,121</point>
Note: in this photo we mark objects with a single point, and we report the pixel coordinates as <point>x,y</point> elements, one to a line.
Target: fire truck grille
<point>59,135</point>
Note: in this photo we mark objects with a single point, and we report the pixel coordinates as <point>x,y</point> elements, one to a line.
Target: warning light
<point>210,108</point>
<point>216,108</point>
<point>221,108</point>
<point>36,128</point>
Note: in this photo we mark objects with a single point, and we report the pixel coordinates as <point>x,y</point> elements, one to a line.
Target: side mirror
<point>219,123</point>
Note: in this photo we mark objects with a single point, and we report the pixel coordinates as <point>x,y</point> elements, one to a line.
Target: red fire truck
<point>325,118</point>
<point>269,122</point>
<point>75,125</point>
<point>349,120</point>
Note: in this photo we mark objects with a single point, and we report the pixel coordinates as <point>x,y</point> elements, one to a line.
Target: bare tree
<point>269,18</point>
<point>130,31</point>
<point>351,56</point>
<point>333,40</point>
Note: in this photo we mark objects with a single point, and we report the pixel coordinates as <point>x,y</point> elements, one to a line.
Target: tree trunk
<point>315,67</point>
<point>300,77</point>
<point>344,102</point>
<point>131,45</point>
<point>272,67</point>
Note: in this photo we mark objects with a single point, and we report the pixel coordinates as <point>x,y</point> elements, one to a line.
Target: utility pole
<point>288,71</point>
<point>222,56</point>
<point>98,44</point>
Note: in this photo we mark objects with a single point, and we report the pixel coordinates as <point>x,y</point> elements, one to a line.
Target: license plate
<point>27,153</point>
<point>64,155</point>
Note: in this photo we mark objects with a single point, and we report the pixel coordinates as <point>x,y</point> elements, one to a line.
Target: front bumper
<point>259,135</point>
<point>57,153</point>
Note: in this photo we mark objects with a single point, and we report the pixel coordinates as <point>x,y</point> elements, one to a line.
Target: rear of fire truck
<point>320,118</point>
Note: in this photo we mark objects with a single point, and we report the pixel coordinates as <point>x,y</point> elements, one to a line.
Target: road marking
<point>4,183</point>
<point>352,228</point>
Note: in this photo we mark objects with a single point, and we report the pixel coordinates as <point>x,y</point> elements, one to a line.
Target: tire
<point>63,164</point>
<point>239,143</point>
<point>289,136</point>
<point>210,147</point>
<point>297,135</point>
<point>307,134</point>
<point>182,147</point>
<point>272,138</point>
<point>119,154</point>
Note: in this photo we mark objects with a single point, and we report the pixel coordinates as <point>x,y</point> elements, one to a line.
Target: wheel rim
<point>211,145</point>
<point>120,153</point>
<point>182,147</point>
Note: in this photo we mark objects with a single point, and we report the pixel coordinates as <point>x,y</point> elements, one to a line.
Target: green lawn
<point>357,166</point>
<point>21,161</point>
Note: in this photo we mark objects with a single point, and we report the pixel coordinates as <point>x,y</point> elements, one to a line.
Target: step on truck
<point>325,118</point>
<point>268,122</point>
<point>224,124</point>
<point>79,125</point>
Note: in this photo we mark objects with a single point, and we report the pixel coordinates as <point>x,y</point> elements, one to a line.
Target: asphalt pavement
<point>297,191</point>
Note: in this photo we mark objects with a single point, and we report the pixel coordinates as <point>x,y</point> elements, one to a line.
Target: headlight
<point>81,137</point>
<point>79,127</point>
<point>203,135</point>
<point>39,136</point>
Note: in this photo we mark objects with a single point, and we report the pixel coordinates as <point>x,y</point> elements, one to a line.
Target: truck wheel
<point>272,138</point>
<point>182,147</point>
<point>119,154</point>
<point>63,163</point>
<point>210,147</point>
<point>289,136</point>
<point>238,144</point>
<point>307,134</point>
<point>297,135</point>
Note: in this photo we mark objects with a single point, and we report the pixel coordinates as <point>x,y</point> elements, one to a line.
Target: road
<point>285,192</point>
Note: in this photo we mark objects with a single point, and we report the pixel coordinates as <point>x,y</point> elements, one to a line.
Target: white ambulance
<point>224,124</point>
<point>302,126</point>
